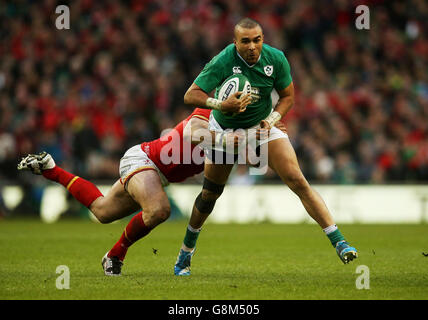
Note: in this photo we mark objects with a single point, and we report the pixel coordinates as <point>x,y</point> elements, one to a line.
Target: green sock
<point>335,237</point>
<point>191,237</point>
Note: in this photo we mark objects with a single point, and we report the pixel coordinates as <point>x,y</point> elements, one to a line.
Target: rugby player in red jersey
<point>144,172</point>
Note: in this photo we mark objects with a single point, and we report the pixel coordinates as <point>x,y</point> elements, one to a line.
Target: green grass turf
<point>255,261</point>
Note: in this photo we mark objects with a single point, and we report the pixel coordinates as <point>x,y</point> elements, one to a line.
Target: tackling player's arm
<point>196,97</point>
<point>196,131</point>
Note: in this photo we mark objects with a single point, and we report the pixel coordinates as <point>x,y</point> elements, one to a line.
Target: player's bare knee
<point>100,213</point>
<point>158,214</point>
<point>163,214</point>
<point>102,217</point>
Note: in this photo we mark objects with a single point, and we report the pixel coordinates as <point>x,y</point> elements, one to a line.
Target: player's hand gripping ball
<point>233,84</point>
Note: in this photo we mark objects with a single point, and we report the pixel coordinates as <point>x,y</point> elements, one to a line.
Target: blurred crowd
<point>117,77</point>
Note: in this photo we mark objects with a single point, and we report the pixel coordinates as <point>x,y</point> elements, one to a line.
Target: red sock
<point>82,190</point>
<point>135,230</point>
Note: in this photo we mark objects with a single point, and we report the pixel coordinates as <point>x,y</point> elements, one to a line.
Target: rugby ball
<point>233,84</point>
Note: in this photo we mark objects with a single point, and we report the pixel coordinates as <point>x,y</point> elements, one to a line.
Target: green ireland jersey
<point>271,71</point>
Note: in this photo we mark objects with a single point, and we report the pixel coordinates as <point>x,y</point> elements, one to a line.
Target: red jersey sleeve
<point>200,113</point>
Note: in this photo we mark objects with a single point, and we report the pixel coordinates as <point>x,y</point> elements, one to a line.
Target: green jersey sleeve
<point>211,76</point>
<point>283,78</point>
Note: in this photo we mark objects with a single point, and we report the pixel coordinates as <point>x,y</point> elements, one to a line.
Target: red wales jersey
<point>173,155</point>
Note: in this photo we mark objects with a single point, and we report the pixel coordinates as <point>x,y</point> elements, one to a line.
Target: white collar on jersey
<point>246,61</point>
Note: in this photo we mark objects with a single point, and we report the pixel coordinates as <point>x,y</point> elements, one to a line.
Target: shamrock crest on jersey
<point>268,70</point>
<point>236,69</point>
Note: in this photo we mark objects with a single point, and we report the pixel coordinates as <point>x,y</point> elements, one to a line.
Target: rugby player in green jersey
<point>266,69</point>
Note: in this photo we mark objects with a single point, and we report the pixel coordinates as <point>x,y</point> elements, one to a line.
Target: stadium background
<point>118,77</point>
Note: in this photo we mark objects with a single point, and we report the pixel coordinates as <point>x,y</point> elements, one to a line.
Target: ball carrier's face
<point>248,43</point>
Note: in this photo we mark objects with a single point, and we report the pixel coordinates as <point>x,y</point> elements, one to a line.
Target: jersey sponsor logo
<point>268,70</point>
<point>255,94</point>
<point>236,69</point>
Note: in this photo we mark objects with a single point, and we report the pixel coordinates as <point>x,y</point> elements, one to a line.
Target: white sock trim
<point>189,227</point>
<point>330,229</point>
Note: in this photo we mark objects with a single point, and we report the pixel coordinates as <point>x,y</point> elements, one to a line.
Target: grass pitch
<point>255,261</point>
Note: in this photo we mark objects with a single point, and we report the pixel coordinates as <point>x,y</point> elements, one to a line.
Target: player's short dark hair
<point>247,23</point>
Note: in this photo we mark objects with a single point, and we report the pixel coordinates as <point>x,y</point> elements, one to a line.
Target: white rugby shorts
<point>135,160</point>
<point>274,132</point>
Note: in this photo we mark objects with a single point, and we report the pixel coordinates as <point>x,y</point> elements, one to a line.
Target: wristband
<point>273,118</point>
<point>213,103</point>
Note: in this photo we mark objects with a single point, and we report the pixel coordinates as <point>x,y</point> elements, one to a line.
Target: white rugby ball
<point>234,83</point>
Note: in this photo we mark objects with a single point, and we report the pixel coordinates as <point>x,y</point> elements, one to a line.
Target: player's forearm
<point>214,138</point>
<point>197,98</point>
<point>284,105</point>
<point>196,131</point>
<point>207,138</point>
<point>202,136</point>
